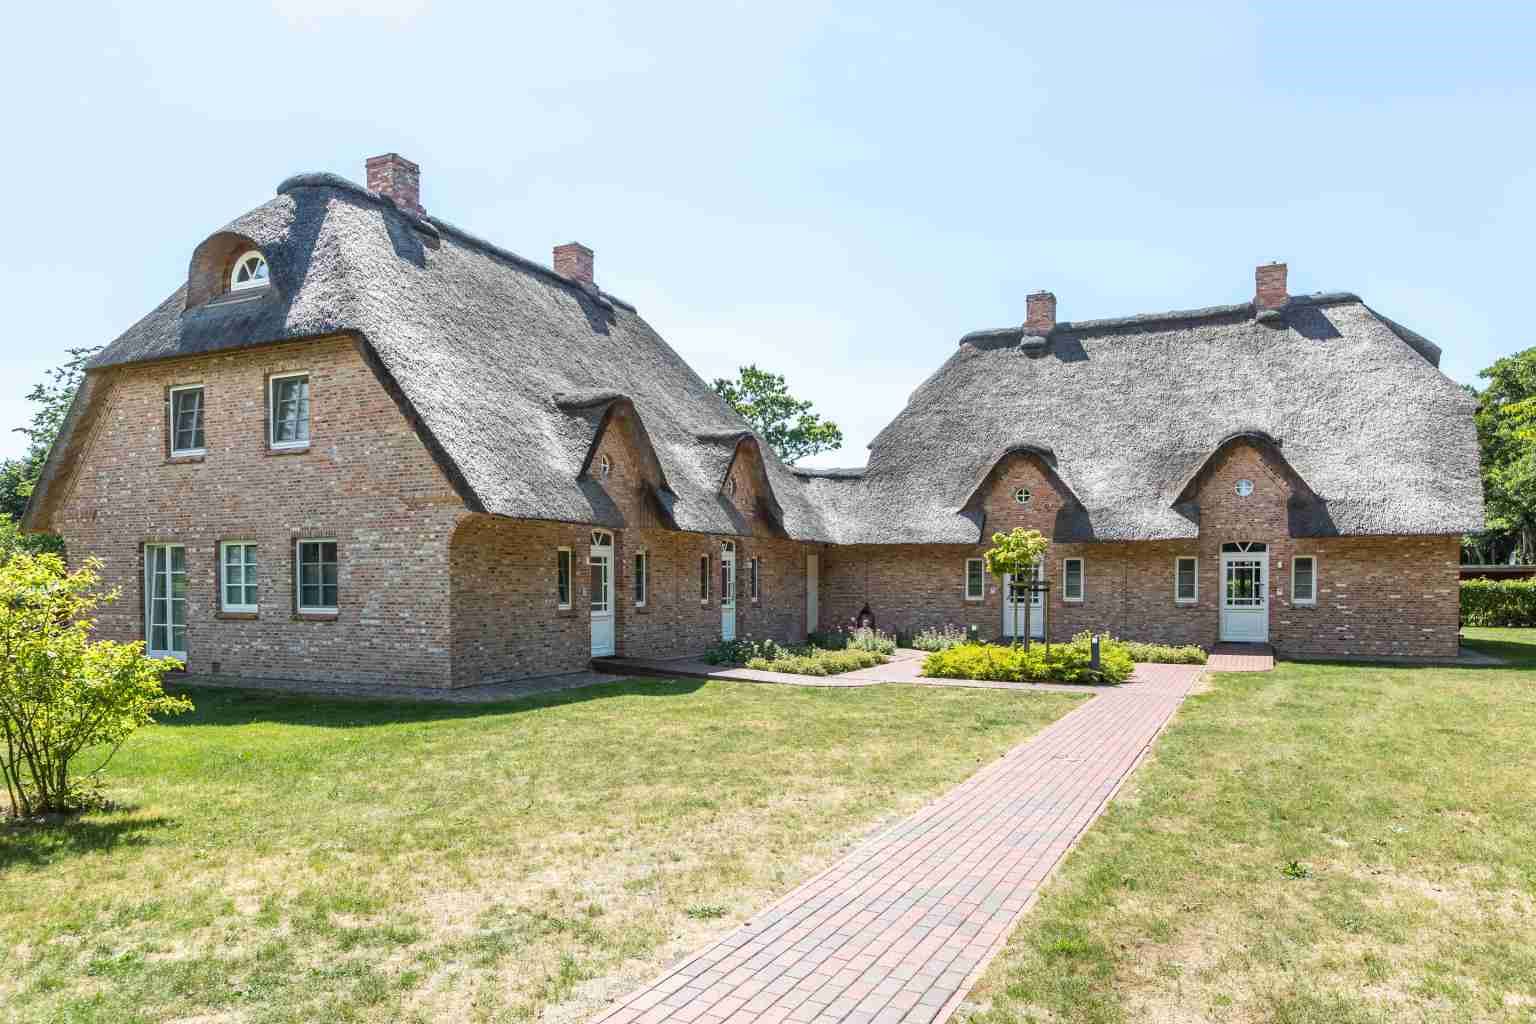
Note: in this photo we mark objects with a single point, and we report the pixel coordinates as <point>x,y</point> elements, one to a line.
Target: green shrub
<point>942,638</point>
<point>1164,653</point>
<point>1498,602</point>
<point>741,651</point>
<point>810,661</point>
<point>1062,663</point>
<point>859,638</point>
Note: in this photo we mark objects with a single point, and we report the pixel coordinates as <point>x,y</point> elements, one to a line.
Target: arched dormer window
<point>250,271</point>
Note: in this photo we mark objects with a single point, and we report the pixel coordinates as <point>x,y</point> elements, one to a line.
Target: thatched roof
<point>510,371</point>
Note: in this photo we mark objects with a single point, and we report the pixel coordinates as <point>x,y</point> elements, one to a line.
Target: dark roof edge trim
<point>434,226</point>
<point>1242,309</point>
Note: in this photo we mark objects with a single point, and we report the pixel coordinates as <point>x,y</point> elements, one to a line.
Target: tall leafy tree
<point>784,421</point>
<point>50,400</point>
<point>1506,434</point>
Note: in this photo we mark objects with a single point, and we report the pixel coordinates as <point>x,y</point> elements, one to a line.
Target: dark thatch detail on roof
<point>508,372</point>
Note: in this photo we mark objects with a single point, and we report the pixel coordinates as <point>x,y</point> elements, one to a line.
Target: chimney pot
<point>1039,313</point>
<point>399,179</point>
<point>574,261</point>
<point>1269,286</point>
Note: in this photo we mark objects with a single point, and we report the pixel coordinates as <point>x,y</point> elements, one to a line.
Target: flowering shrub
<point>856,636</point>
<point>942,638</point>
<point>1062,663</point>
<point>1165,654</point>
<point>811,661</point>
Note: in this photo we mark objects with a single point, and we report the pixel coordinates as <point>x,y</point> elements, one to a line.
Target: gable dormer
<point>621,463</point>
<point>227,266</point>
<point>746,490</point>
<point>1021,486</point>
<point>1243,481</point>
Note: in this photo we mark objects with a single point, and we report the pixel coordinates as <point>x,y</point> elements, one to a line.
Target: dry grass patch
<point>1322,844</point>
<point>292,860</point>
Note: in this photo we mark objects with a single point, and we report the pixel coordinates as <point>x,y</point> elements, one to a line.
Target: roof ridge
<point>1169,316</point>
<point>436,225</point>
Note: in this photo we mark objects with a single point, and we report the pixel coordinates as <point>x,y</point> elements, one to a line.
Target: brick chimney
<point>574,260</point>
<point>399,179</point>
<point>1039,313</point>
<point>1269,286</point>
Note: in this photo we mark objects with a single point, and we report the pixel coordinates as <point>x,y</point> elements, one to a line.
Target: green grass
<point>1320,843</point>
<point>284,859</point>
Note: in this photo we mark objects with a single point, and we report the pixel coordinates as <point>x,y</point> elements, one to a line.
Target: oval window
<point>1021,495</point>
<point>1244,488</point>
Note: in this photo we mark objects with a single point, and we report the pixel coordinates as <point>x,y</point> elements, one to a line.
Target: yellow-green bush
<point>814,662</point>
<point>1062,663</point>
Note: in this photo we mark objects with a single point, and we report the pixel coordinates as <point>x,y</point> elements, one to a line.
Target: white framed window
<point>563,577</point>
<point>703,579</point>
<point>250,272</point>
<point>1186,580</point>
<point>642,577</point>
<point>316,576</point>
<point>754,578</point>
<point>288,410</point>
<point>1072,579</point>
<point>975,579</point>
<point>1021,495</point>
<point>237,576</point>
<point>186,412</point>
<point>1304,579</point>
<point>165,601</point>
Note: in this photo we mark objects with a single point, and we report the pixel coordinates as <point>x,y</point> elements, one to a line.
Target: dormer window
<point>250,272</point>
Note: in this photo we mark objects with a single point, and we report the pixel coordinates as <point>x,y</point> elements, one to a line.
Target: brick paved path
<point>901,928</point>
<point>1241,658</point>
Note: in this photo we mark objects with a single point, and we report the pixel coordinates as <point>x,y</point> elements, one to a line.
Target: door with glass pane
<point>727,590</point>
<point>165,600</point>
<point>1244,592</point>
<point>1017,594</point>
<point>600,562</point>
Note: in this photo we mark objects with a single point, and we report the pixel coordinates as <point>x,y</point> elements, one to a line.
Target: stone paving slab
<point>900,929</point>
<point>1241,658</point>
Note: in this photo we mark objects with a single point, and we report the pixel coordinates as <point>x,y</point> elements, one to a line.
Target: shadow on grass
<point>226,706</point>
<point>36,845</point>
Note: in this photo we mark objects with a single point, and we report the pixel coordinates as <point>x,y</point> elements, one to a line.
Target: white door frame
<point>1244,583</point>
<point>812,592</point>
<point>600,566</point>
<point>1036,616</point>
<point>728,590</point>
<point>163,597</point>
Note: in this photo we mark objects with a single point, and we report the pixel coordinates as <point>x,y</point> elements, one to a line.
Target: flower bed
<point>942,638</point>
<point>1062,663</point>
<point>1165,654</point>
<point>800,659</point>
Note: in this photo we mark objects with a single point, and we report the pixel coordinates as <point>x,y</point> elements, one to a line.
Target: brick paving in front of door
<point>900,929</point>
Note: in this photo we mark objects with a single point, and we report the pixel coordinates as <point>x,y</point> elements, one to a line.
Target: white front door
<point>1245,593</point>
<point>601,563</point>
<point>1016,597</point>
<point>165,601</point>
<point>727,590</point>
<point>812,589</point>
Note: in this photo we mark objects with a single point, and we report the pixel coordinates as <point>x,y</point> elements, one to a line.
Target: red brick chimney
<point>574,260</point>
<point>399,179</point>
<point>1269,286</point>
<point>1039,313</point>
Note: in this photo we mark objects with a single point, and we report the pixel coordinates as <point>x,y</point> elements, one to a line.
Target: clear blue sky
<point>837,196</point>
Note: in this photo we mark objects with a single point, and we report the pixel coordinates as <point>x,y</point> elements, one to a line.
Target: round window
<point>1021,495</point>
<point>1244,488</point>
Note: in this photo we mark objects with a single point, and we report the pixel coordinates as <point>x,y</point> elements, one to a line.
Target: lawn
<point>1321,843</point>
<point>285,859</point>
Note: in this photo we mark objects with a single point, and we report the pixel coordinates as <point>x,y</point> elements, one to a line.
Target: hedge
<point>1498,602</point>
<point>1063,663</point>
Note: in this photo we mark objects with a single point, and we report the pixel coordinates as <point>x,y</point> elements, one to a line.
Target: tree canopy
<point>50,400</point>
<point>1506,434</point>
<point>784,421</point>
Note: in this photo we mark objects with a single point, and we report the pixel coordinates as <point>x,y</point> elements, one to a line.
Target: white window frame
<point>755,578</point>
<point>1082,580</point>
<point>241,286</point>
<point>706,579</point>
<point>564,604</point>
<point>298,578</point>
<point>1186,600</point>
<point>241,607</point>
<point>643,577</point>
<point>170,413</point>
<point>169,600</point>
<point>272,441</point>
<point>1311,601</point>
<point>965,584</point>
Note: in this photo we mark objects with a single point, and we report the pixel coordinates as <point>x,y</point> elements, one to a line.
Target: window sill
<point>1071,600</point>
<point>640,609</point>
<point>237,616</point>
<point>1187,604</point>
<point>302,449</point>
<point>316,616</point>
<point>184,458</point>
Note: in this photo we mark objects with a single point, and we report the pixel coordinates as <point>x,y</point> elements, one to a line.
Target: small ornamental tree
<point>62,693</point>
<point>1015,554</point>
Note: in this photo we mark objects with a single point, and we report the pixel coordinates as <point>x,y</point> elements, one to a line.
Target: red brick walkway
<point>900,929</point>
<point>1241,658</point>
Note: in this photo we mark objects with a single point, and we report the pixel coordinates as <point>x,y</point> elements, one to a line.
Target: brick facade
<point>432,594</point>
